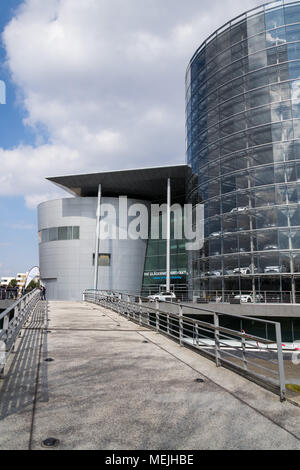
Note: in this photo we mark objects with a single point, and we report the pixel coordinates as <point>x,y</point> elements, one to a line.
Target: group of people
<point>13,293</point>
<point>8,293</point>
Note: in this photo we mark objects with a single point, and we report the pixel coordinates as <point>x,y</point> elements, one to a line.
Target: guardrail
<point>227,296</point>
<point>255,357</point>
<point>11,322</point>
<point>248,296</point>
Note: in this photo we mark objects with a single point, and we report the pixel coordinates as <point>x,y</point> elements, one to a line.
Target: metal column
<point>168,234</point>
<point>97,241</point>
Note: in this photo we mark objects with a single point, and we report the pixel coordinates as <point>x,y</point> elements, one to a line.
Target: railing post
<point>140,310</point>
<point>180,324</point>
<point>196,333</point>
<point>244,353</point>
<point>217,340</point>
<point>128,306</point>
<point>280,362</point>
<point>157,315</point>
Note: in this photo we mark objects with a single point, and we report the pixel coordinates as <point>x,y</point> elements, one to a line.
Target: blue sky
<point>18,233</point>
<point>92,85</point>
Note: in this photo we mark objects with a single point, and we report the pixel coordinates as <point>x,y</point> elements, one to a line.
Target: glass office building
<point>154,278</point>
<point>243,144</point>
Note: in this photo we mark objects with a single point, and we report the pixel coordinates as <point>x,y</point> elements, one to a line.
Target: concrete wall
<point>67,265</point>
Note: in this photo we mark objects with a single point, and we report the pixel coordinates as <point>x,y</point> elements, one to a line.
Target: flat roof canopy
<point>145,183</point>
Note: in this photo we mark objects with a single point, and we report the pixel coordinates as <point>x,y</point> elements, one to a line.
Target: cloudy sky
<point>91,85</point>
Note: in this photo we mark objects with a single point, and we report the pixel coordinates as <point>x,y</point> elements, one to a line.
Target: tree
<point>13,283</point>
<point>32,285</point>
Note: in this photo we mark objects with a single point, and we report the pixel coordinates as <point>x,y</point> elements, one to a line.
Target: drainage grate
<point>50,442</point>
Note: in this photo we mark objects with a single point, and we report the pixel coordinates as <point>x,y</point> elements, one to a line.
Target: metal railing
<point>248,296</point>
<point>227,296</point>
<point>11,322</point>
<point>259,358</point>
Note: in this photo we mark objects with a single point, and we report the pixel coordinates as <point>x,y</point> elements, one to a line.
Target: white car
<point>244,298</point>
<point>162,297</point>
<point>238,209</point>
<point>275,269</point>
<point>245,270</point>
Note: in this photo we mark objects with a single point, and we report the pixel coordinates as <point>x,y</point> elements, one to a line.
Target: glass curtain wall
<point>243,144</point>
<point>155,264</point>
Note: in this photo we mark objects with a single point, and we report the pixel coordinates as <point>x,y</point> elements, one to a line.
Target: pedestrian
<point>43,293</point>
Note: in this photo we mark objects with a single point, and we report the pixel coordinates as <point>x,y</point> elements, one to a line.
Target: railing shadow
<point>18,388</point>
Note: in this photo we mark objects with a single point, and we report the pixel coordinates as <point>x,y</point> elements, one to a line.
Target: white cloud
<point>21,226</point>
<point>105,79</point>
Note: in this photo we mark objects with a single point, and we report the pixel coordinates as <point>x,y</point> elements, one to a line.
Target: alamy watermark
<point>150,221</point>
<point>2,92</point>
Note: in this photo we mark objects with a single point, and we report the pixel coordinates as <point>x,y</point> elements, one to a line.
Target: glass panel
<point>296,262</point>
<point>255,24</point>
<point>264,176</point>
<point>295,216</point>
<point>63,233</point>
<point>281,192</point>
<point>274,18</point>
<point>228,204</point>
<point>75,233</point>
<point>214,247</point>
<point>53,234</point>
<point>295,239</point>
<point>258,116</point>
<point>258,60</point>
<point>285,262</point>
<point>283,239</point>
<point>258,97</point>
<point>45,235</point>
<point>229,223</point>
<point>260,136</point>
<point>244,243</point>
<point>231,265</point>
<point>256,80</point>
<point>238,32</point>
<point>266,218</point>
<point>269,263</point>
<point>261,156</point>
<point>267,240</point>
<point>294,51</point>
<point>292,14</point>
<point>230,244</point>
<point>282,217</point>
<point>294,70</point>
<point>243,221</point>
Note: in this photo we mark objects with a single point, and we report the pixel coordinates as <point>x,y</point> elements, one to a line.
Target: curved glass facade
<point>243,144</point>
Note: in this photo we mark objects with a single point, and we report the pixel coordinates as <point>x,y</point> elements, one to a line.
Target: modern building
<point>243,145</point>
<point>5,281</point>
<point>68,228</point>
<point>21,280</point>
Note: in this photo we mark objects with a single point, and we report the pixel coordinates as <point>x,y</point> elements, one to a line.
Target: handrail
<point>13,319</point>
<point>226,345</point>
<point>14,305</point>
<point>181,304</point>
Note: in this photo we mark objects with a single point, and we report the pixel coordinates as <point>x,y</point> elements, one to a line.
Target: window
<point>103,259</point>
<point>59,233</point>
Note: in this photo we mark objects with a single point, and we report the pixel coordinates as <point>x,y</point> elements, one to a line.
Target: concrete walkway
<point>115,385</point>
